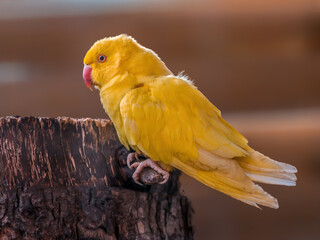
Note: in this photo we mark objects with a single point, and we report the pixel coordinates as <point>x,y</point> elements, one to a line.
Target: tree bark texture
<point>64,178</point>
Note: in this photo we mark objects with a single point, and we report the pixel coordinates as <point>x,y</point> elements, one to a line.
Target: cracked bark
<point>64,178</point>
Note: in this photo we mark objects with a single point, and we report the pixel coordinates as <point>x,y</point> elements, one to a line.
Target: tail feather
<point>228,177</point>
<point>262,169</point>
<point>235,177</point>
<point>256,195</point>
<point>270,180</point>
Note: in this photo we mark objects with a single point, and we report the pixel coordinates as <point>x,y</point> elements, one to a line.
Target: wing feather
<point>169,117</point>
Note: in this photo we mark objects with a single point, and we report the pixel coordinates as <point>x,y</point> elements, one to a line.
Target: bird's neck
<point>113,92</point>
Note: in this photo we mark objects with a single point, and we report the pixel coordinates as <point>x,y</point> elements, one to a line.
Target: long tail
<point>232,178</point>
<point>262,169</point>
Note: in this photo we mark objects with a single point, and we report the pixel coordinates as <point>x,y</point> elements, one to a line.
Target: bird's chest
<point>111,105</point>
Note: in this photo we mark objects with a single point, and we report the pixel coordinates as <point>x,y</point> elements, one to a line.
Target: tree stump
<point>64,178</point>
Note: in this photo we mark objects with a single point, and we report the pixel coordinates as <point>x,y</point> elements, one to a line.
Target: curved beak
<point>86,74</point>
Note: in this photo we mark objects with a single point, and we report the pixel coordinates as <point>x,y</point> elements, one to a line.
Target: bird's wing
<point>155,123</point>
<point>169,118</point>
<point>212,132</point>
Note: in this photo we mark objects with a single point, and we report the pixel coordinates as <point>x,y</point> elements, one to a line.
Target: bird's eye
<point>102,58</point>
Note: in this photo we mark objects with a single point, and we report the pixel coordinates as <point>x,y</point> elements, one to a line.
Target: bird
<point>165,119</point>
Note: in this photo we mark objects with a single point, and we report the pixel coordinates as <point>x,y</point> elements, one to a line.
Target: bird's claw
<point>165,178</point>
<point>131,157</point>
<point>151,164</point>
<point>134,165</point>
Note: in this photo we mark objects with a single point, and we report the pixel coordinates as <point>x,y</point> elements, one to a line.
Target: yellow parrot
<point>169,121</point>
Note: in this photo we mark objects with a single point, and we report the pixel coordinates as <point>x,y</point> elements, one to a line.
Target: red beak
<point>86,74</point>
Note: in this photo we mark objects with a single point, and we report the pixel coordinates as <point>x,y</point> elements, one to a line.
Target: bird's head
<point>113,56</point>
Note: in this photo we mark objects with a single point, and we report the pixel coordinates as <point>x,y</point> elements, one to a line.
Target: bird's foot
<point>131,157</point>
<point>151,164</point>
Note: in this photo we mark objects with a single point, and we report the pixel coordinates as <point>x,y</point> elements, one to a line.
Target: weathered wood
<point>62,178</point>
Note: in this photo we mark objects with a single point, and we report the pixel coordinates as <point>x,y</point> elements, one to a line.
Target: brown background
<point>259,63</point>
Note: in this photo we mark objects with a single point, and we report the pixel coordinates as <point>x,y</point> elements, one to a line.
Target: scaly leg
<point>152,164</point>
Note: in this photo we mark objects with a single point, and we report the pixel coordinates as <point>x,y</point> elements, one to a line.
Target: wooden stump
<point>64,178</point>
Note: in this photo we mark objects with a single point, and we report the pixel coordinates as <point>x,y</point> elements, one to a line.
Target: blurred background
<point>258,61</point>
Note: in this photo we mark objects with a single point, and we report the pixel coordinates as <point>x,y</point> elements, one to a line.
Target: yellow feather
<point>168,119</point>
